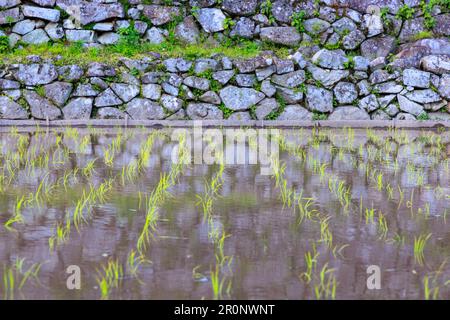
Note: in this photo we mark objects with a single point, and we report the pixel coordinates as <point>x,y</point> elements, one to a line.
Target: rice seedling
<point>17,216</point>
<point>109,277</point>
<point>326,236</point>
<point>325,287</point>
<point>311,264</point>
<point>419,247</point>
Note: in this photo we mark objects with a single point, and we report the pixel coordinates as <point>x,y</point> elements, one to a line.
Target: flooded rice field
<point>172,214</point>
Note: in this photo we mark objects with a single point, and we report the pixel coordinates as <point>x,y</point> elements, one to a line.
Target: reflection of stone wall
<point>344,61</point>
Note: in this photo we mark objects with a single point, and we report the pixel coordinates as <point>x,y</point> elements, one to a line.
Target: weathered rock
<point>379,115</point>
<point>436,63</point>
<point>411,28</point>
<point>244,28</point>
<point>369,103</point>
<point>10,16</point>
<point>223,76</point>
<point>196,111</point>
<point>282,11</point>
<point>24,26</point>
<point>267,88</point>
<point>245,80</point>
<point>265,107</point>
<point>144,109</point>
<point>188,31</point>
<point>155,36</point>
<point>78,108</point>
<point>103,26</point>
<point>423,96</point>
<point>374,24</point>
<point>388,87</point>
<point>58,92</point>
<point>6,84</point>
<point>52,15</point>
<point>108,38</point>
<point>392,110</point>
<point>160,15</point>
<point>442,24</point>
<point>124,91</point>
<point>405,116</point>
<point>40,107</point>
<point>327,77</point>
<point>353,40</point>
<point>203,65</point>
<point>289,80</point>
<point>85,90</point>
<point>197,83</point>
<point>439,116</point>
<point>240,7</point>
<point>6,4</point>
<point>283,65</point>
<point>107,99</point>
<point>416,78</point>
<point>295,113</point>
<point>360,63</point>
<point>96,69</point>
<point>382,75</point>
<point>409,106</point>
<point>151,91</point>
<point>110,113</point>
<point>345,92</point>
<point>319,99</point>
<point>348,113</point>
<point>330,59</point>
<point>379,46</point>
<point>316,25</point>
<point>55,31</point>
<point>264,73</point>
<point>172,104</point>
<point>411,53</point>
<point>11,110</point>
<point>38,36</point>
<point>253,64</point>
<point>210,97</point>
<point>36,74</point>
<point>236,98</point>
<point>290,96</point>
<point>287,36</point>
<point>444,86</point>
<point>211,19</point>
<point>80,35</point>
<point>89,12</point>
<point>45,3</point>
<point>70,72</point>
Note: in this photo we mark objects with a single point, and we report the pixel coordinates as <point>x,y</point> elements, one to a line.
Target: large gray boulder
<point>348,113</point>
<point>187,31</point>
<point>409,106</point>
<point>211,19</point>
<point>125,91</point>
<point>107,99</point>
<point>11,110</point>
<point>319,99</point>
<point>345,92</point>
<point>240,7</point>
<point>287,36</point>
<point>144,109</point>
<point>207,111</point>
<point>436,63</point>
<point>416,78</point>
<point>89,12</point>
<point>40,107</point>
<point>379,46</point>
<point>330,59</point>
<point>289,80</point>
<point>58,92</point>
<point>78,109</point>
<point>151,91</point>
<point>52,15</point>
<point>294,113</point>
<point>236,98</point>
<point>36,74</point>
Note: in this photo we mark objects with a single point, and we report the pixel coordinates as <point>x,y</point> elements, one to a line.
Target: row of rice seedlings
<point>16,276</point>
<point>81,213</point>
<point>109,277</point>
<point>159,194</point>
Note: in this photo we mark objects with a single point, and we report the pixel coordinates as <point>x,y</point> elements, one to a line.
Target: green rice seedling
<point>17,216</point>
<point>326,284</point>
<point>217,283</point>
<point>419,247</point>
<point>382,226</point>
<point>326,236</point>
<point>109,277</point>
<point>311,264</point>
<point>88,169</point>
<point>370,215</point>
<point>134,262</point>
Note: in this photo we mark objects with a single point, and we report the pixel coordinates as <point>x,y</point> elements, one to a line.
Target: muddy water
<point>370,194</point>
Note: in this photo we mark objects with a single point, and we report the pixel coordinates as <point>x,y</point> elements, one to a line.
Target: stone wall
<point>349,59</point>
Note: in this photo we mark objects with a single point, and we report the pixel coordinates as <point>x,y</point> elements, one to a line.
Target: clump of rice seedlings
<point>370,215</point>
<point>419,247</point>
<point>304,208</point>
<point>326,284</point>
<point>134,262</point>
<point>17,216</point>
<point>340,190</point>
<point>382,226</point>
<point>16,276</point>
<point>311,264</point>
<point>88,169</point>
<point>109,277</point>
<point>326,236</point>
<point>431,283</point>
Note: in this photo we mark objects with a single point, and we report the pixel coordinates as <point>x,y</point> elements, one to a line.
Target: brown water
<point>404,176</point>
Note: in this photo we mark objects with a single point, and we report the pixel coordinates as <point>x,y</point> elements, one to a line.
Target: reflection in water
<point>143,226</point>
